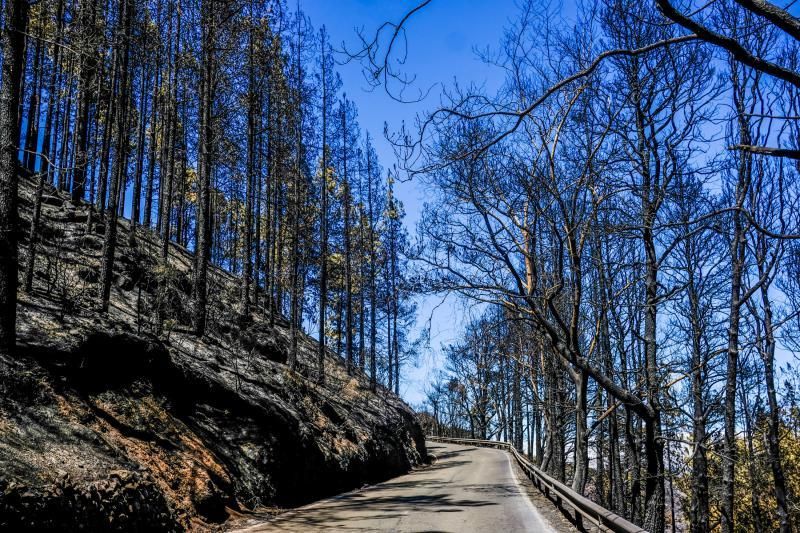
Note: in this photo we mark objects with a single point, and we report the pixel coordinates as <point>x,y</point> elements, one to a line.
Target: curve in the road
<point>466,489</point>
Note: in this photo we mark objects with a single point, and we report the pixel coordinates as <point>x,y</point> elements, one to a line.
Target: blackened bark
<point>88,17</point>
<point>373,300</point>
<point>203,231</point>
<point>136,200</point>
<point>16,18</point>
<point>773,418</point>
<point>737,258</point>
<point>120,161</point>
<point>348,266</point>
<point>32,136</point>
<point>247,256</point>
<point>581,432</point>
<point>323,276</point>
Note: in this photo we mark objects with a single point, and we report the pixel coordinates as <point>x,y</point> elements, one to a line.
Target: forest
<point>623,214</point>
<point>622,218</point>
<point>219,127</point>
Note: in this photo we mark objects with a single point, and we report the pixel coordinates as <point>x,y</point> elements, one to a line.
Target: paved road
<point>466,489</point>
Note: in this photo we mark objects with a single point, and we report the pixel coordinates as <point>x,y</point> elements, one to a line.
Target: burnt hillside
<point>124,421</point>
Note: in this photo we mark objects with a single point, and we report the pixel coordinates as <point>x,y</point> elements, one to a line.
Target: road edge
<point>543,506</point>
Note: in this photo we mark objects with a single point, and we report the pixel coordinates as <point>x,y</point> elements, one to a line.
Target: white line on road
<point>544,524</point>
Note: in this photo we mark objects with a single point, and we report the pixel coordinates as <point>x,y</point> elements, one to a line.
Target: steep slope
<point>111,424</point>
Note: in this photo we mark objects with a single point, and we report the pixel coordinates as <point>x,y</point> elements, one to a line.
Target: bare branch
<point>739,52</point>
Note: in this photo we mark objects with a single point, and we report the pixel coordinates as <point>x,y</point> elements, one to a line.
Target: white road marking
<point>545,524</point>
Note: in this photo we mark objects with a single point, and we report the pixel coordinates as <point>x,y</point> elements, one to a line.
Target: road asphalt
<point>466,489</point>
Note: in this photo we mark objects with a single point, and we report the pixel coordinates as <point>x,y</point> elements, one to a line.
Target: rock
<point>52,200</point>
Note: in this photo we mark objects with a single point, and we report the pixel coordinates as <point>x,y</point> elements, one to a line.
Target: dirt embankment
<point>112,423</point>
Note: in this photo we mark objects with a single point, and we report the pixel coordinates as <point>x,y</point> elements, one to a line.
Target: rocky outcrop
<point>107,425</point>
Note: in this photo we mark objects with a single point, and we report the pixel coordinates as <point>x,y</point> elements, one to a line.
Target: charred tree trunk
<point>247,256</point>
<point>203,237</point>
<point>737,258</point>
<point>32,136</point>
<point>88,17</point>
<point>120,160</point>
<point>16,19</point>
<point>348,266</point>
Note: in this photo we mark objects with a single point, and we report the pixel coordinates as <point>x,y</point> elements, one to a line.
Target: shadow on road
<point>355,508</point>
<point>395,499</point>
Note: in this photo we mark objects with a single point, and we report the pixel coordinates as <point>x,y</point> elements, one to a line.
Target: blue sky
<point>441,43</point>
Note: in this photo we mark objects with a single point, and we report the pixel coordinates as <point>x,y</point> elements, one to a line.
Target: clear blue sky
<point>441,43</point>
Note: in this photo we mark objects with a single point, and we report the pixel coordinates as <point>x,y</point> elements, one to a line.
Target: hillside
<point>114,425</point>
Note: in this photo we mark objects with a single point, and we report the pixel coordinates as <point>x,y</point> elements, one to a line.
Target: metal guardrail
<point>586,511</point>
